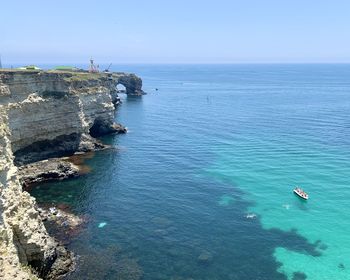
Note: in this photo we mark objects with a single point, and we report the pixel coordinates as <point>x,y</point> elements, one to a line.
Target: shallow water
<point>201,186</point>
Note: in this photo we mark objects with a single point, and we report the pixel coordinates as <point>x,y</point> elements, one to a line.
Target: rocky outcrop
<point>132,83</point>
<point>100,128</point>
<point>46,114</point>
<point>46,170</point>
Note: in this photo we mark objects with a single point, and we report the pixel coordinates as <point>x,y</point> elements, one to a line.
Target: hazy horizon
<point>192,32</point>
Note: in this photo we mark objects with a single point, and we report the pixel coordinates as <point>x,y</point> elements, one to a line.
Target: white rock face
<point>36,119</point>
<point>96,106</point>
<point>17,215</point>
<point>43,114</point>
<point>54,107</point>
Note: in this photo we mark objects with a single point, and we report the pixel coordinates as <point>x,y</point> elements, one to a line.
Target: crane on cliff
<point>107,69</point>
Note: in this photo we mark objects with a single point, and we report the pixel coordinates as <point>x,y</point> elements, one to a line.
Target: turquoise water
<point>208,169</point>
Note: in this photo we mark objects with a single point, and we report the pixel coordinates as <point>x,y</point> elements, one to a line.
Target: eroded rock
<point>47,170</point>
<point>100,127</point>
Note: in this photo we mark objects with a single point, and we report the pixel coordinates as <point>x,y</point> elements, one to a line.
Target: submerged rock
<point>226,200</point>
<point>161,221</point>
<point>61,223</point>
<point>205,257</point>
<point>128,269</point>
<point>299,276</point>
<point>160,232</point>
<point>61,217</point>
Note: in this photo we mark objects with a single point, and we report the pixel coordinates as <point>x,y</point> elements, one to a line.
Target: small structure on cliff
<point>29,67</point>
<point>93,68</point>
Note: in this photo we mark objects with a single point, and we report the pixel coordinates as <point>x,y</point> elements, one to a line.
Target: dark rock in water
<point>61,223</point>
<point>65,262</point>
<point>174,252</point>
<point>118,128</point>
<point>91,267</point>
<point>341,266</point>
<point>101,127</point>
<point>46,170</point>
<point>205,257</point>
<point>90,144</point>
<point>299,276</point>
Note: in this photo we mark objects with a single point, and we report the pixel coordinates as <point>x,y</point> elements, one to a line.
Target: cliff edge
<point>47,114</point>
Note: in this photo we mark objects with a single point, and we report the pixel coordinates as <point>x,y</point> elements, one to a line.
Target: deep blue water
<point>207,171</point>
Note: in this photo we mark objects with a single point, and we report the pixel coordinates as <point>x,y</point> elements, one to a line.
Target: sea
<point>201,186</point>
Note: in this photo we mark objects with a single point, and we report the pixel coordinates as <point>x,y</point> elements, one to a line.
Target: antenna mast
<point>0,62</point>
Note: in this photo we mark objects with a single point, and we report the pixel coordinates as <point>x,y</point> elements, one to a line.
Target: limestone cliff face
<point>52,114</point>
<point>44,115</point>
<point>23,238</point>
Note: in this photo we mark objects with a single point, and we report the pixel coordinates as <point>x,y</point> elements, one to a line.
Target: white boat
<point>299,192</point>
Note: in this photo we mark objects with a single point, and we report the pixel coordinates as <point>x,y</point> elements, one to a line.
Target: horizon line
<point>175,63</point>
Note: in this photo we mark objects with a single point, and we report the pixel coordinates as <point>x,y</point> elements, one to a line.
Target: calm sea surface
<point>201,186</point>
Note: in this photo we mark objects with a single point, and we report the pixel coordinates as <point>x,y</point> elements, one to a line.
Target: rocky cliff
<point>46,114</point>
<point>53,113</point>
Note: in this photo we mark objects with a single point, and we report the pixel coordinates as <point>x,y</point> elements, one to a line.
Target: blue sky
<point>178,31</point>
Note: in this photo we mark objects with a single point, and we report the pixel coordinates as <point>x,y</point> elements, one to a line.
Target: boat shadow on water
<point>301,203</point>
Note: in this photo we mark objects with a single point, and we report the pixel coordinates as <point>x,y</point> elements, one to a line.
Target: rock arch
<point>121,88</point>
<point>132,84</point>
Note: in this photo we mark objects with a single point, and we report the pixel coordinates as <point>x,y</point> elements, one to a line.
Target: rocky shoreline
<point>46,118</point>
<point>46,170</point>
<point>61,222</point>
